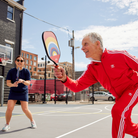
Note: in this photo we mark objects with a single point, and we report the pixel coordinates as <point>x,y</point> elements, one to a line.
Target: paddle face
<point>51,46</point>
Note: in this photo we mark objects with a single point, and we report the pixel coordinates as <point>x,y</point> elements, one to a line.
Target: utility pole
<point>71,44</point>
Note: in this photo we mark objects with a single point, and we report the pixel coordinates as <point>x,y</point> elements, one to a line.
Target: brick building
<point>11,20</point>
<point>49,69</point>
<point>31,62</point>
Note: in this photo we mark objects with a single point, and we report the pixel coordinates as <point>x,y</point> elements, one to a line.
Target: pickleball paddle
<point>51,46</point>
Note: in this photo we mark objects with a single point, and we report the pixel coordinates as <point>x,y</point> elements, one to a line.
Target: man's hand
<point>60,74</point>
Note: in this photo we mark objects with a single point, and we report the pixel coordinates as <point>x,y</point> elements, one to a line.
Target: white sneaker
<point>6,128</point>
<point>33,124</point>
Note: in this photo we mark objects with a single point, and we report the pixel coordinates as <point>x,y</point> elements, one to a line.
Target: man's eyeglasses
<point>19,60</point>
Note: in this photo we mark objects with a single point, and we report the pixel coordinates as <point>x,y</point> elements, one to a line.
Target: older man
<point>117,72</point>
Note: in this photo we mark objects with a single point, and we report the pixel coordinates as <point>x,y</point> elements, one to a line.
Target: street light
<point>66,90</point>
<point>55,88</point>
<point>44,101</point>
<point>44,80</point>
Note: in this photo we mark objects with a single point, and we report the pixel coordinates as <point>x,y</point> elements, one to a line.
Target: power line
<point>47,22</point>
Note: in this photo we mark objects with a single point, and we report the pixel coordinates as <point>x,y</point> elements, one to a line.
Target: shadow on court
<point>8,132</point>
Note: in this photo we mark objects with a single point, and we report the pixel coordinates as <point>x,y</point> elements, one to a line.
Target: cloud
<point>114,37</point>
<point>80,66</point>
<point>26,44</point>
<point>132,5</point>
<point>111,19</point>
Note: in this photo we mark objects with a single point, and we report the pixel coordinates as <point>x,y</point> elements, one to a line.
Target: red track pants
<point>121,115</point>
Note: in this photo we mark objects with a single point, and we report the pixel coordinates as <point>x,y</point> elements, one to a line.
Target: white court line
<point>83,127</point>
<point>59,109</point>
<point>106,107</point>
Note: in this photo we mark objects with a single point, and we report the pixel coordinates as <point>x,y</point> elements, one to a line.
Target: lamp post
<point>92,94</point>
<point>55,88</point>
<point>45,80</point>
<point>66,90</point>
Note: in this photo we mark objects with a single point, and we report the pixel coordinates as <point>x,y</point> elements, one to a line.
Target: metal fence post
<point>2,90</point>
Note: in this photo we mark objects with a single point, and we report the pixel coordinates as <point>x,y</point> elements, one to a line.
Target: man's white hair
<point>95,37</point>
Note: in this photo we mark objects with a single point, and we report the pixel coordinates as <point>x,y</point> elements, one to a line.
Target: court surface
<point>62,121</point>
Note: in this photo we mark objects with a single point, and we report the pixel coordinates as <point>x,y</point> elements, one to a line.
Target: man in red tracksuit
<point>117,72</point>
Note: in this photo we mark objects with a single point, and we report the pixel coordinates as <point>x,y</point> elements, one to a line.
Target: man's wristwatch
<point>23,81</point>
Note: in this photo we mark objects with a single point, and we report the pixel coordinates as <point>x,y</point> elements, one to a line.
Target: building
<point>49,69</point>
<point>11,20</point>
<point>31,62</point>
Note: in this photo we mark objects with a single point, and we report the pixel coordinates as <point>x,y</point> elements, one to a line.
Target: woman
<point>18,91</point>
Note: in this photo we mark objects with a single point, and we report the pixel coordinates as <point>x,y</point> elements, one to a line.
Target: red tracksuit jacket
<point>116,72</point>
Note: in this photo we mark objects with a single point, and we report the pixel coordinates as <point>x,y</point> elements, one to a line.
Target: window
<point>34,63</point>
<point>9,45</point>
<point>27,67</point>
<point>31,63</point>
<point>27,61</point>
<point>10,13</point>
<point>35,58</point>
<point>22,54</point>
<point>27,56</point>
<point>48,74</point>
<point>34,68</point>
<point>30,67</point>
<point>30,56</point>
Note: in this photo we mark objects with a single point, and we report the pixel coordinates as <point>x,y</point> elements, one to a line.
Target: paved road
<point>72,120</point>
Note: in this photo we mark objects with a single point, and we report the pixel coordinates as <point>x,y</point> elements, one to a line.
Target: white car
<point>101,95</point>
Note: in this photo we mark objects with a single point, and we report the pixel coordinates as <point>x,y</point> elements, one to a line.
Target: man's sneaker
<point>6,128</point>
<point>33,124</point>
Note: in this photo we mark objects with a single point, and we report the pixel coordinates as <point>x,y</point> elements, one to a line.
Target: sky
<point>115,20</point>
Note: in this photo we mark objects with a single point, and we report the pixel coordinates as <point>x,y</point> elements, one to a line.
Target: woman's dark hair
<point>18,57</point>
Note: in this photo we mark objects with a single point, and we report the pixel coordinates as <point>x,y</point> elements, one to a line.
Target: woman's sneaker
<point>33,124</point>
<point>6,128</point>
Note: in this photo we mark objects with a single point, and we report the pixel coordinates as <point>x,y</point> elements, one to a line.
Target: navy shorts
<point>18,96</point>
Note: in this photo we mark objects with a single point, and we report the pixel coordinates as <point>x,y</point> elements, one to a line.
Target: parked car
<point>62,97</point>
<point>52,97</point>
<point>101,95</point>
